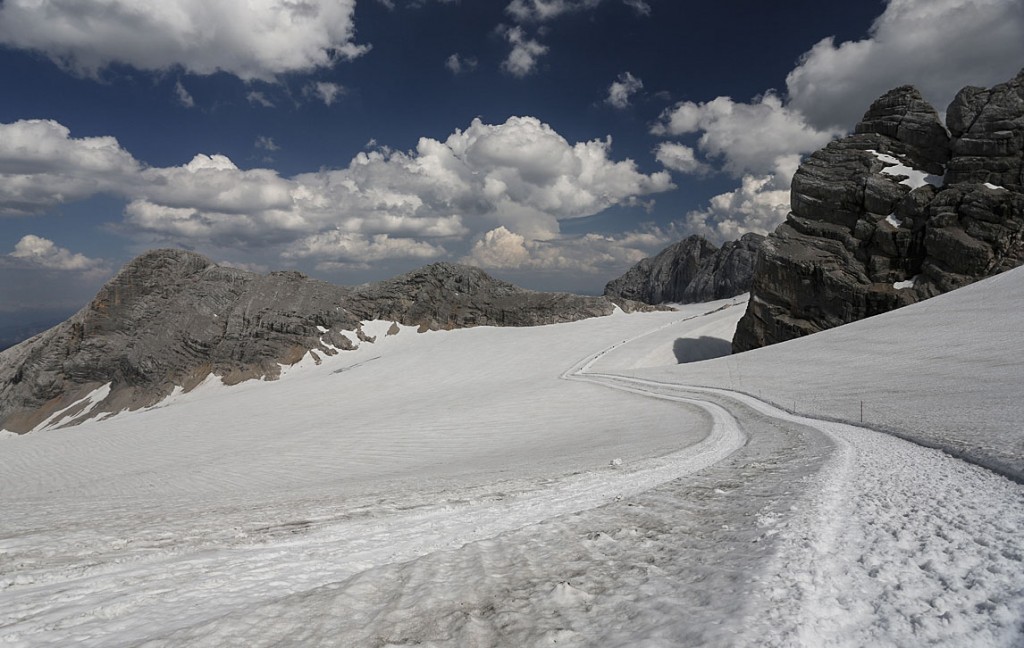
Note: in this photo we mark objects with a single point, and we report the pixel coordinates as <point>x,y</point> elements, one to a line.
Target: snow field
<point>447,489</point>
<point>218,499</point>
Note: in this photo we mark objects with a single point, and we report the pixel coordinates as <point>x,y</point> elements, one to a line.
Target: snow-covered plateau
<point>599,483</point>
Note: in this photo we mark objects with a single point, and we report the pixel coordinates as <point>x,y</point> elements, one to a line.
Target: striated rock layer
<point>171,318</point>
<point>692,270</point>
<point>900,211</point>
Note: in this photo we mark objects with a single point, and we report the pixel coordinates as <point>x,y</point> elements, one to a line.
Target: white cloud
<point>325,91</point>
<point>457,64</point>
<point>338,250</point>
<point>259,39</point>
<point>640,6</point>
<point>622,89</point>
<point>679,157</point>
<point>266,143</point>
<point>258,268</point>
<point>257,97</point>
<point>542,10</point>
<point>522,60</point>
<point>520,174</point>
<point>748,137</point>
<point>42,166</point>
<point>594,254</point>
<point>939,46</point>
<point>184,98</point>
<point>758,205</point>
<point>43,253</point>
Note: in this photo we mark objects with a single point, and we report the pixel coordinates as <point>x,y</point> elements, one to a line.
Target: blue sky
<point>551,142</point>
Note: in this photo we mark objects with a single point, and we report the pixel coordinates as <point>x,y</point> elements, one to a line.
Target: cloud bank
<point>520,175</point>
<point>251,39</point>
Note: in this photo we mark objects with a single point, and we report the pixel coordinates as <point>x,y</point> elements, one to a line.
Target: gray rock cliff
<point>692,270</point>
<point>172,318</point>
<point>900,211</point>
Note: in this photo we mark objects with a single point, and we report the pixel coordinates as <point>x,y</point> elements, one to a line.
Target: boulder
<point>897,212</point>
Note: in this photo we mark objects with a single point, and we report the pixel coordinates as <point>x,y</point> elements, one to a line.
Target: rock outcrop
<point>446,296</point>
<point>692,270</point>
<point>170,318</point>
<point>900,211</point>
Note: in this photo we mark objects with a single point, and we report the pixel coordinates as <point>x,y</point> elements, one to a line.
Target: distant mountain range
<point>170,318</point>
<point>692,270</point>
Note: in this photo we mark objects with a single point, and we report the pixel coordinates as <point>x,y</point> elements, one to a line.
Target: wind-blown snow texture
<point>554,485</point>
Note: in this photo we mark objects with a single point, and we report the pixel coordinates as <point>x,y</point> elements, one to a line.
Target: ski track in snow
<point>883,543</point>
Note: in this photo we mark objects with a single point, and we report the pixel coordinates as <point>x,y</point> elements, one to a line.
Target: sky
<point>553,143</point>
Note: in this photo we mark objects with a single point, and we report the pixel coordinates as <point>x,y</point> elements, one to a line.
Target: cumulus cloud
<point>679,157</point>
<point>44,253</point>
<point>41,166</point>
<point>937,45</point>
<point>251,40</point>
<point>759,204</point>
<point>458,64</point>
<point>749,138</point>
<point>520,174</point>
<point>325,91</point>
<point>337,249</point>
<point>622,89</point>
<point>522,60</point>
<point>594,254</point>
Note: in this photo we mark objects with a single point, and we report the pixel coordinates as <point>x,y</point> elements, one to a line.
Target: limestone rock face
<point>446,296</point>
<point>692,270</point>
<point>898,212</point>
<point>172,318</point>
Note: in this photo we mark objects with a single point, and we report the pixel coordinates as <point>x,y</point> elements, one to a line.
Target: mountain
<point>898,212</point>
<point>171,318</point>
<point>692,270</point>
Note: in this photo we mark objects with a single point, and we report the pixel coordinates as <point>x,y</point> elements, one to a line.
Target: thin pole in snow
<point>862,411</point>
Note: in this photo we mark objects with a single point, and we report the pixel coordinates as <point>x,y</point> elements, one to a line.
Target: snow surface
<point>552,485</point>
<point>997,187</point>
<point>912,178</point>
<point>909,283</point>
<point>892,220</point>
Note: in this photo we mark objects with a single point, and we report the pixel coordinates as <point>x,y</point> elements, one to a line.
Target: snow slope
<point>515,487</point>
<point>946,372</point>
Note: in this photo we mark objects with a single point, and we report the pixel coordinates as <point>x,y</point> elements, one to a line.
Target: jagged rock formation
<point>171,318</point>
<point>900,211</point>
<point>446,295</point>
<point>692,270</point>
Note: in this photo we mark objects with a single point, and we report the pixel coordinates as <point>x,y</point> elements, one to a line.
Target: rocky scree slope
<point>172,318</point>
<point>898,212</point>
<point>692,270</point>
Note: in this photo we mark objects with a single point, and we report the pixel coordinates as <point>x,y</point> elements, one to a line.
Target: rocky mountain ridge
<point>171,318</point>
<point>692,270</point>
<point>900,211</point>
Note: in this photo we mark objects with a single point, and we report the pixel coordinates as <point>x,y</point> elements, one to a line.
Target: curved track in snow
<point>774,529</point>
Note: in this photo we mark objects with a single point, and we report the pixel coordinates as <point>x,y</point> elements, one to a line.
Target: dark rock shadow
<point>702,348</point>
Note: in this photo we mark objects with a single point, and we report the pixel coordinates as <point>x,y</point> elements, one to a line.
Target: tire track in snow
<point>899,544</point>
<point>195,585</point>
